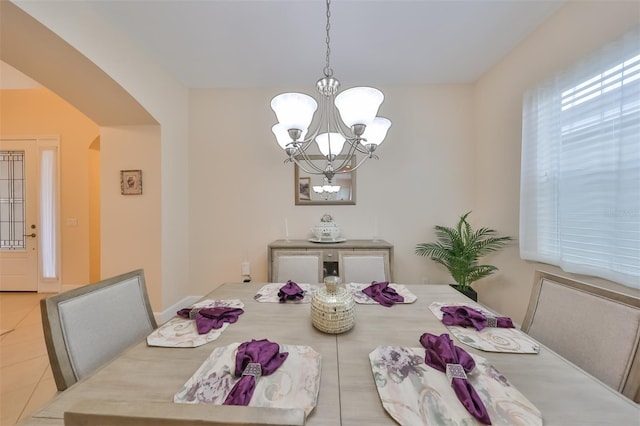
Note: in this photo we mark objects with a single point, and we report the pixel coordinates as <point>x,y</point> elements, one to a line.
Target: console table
<point>330,252</point>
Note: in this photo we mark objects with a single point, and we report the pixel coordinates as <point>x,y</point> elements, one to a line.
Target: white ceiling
<point>240,43</point>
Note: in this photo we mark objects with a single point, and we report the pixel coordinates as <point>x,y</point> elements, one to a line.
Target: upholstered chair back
<point>88,326</point>
<point>364,266</point>
<point>595,328</point>
<point>299,268</point>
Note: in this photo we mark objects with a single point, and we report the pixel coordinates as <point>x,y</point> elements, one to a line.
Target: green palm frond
<point>459,249</point>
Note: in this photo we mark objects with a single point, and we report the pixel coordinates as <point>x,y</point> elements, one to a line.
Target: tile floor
<point>26,382</point>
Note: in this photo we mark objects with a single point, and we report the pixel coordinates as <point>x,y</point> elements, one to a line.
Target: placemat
<point>360,297</point>
<point>181,332</point>
<point>269,293</point>
<point>415,394</point>
<point>489,339</point>
<point>294,385</point>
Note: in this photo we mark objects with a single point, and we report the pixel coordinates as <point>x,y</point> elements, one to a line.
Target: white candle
<point>286,229</point>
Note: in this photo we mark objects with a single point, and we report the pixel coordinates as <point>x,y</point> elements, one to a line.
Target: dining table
<point>348,395</point>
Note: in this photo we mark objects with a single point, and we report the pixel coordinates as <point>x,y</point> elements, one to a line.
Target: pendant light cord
<point>328,72</point>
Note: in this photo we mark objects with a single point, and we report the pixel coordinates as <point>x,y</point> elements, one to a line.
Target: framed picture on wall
<point>304,188</point>
<point>131,182</point>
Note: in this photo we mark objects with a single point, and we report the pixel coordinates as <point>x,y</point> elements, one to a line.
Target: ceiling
<point>240,43</point>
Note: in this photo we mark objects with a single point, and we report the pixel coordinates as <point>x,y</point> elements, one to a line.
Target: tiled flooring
<point>26,382</point>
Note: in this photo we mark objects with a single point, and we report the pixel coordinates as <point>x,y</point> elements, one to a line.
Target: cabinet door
<point>300,266</point>
<point>364,266</point>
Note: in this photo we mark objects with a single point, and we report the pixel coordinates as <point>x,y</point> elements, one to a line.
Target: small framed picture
<point>131,182</point>
<point>304,188</point>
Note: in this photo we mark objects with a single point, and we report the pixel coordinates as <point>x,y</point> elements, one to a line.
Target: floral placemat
<point>415,394</point>
<point>181,332</point>
<point>294,385</point>
<point>269,293</point>
<point>489,339</point>
<point>360,297</point>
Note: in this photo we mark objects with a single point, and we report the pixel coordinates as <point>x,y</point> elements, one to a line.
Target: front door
<point>18,215</point>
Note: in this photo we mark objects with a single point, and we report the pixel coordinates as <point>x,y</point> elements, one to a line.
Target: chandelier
<point>347,124</point>
<point>326,191</point>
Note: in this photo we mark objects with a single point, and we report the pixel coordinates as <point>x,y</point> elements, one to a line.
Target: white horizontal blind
<point>580,183</point>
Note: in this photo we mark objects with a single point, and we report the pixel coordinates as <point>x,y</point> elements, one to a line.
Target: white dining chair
<point>305,267</point>
<point>595,328</point>
<point>364,266</point>
<point>88,326</point>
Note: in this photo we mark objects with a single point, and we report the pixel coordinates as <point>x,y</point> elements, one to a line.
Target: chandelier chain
<point>328,72</point>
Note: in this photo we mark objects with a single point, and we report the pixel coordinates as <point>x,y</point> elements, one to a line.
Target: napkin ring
<point>492,321</point>
<point>253,369</point>
<point>193,312</point>
<point>455,371</point>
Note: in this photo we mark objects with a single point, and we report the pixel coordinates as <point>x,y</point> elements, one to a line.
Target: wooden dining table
<point>564,394</point>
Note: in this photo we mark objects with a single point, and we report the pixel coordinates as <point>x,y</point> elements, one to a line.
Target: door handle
<point>32,235</point>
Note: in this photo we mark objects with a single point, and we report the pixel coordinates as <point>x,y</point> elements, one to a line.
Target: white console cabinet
<point>332,253</point>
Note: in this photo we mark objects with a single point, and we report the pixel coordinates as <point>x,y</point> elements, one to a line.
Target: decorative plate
<point>489,339</point>
<point>414,393</point>
<point>181,332</point>
<point>294,385</point>
<point>323,240</point>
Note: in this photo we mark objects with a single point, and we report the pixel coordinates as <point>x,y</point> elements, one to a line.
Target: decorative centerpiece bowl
<point>327,229</point>
<point>333,308</point>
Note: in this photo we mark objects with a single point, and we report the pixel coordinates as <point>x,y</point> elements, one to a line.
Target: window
<point>12,214</point>
<point>48,212</point>
<point>580,182</point>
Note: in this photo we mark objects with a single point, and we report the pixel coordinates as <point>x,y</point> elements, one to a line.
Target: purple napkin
<point>290,291</point>
<point>253,359</point>
<point>469,317</point>
<point>208,318</point>
<point>383,294</point>
<point>441,351</point>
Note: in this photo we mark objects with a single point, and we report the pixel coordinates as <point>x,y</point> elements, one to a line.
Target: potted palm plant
<point>459,250</point>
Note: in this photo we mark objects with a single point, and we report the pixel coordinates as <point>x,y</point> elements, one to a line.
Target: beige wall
<point>130,223</point>
<point>91,160</point>
<point>36,112</point>
<point>573,32</point>
<point>241,192</point>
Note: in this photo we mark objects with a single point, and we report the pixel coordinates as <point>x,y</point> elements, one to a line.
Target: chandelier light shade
<point>347,124</point>
<point>330,144</point>
<point>359,105</point>
<point>294,110</point>
<point>376,131</point>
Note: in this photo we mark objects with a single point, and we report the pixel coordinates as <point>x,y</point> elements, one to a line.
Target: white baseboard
<point>49,287</point>
<point>67,287</point>
<point>170,312</point>
<point>54,287</point>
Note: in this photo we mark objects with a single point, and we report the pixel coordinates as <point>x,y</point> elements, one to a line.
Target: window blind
<point>580,171</point>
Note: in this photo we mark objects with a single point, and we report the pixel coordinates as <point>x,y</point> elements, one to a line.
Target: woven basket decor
<point>333,312</point>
